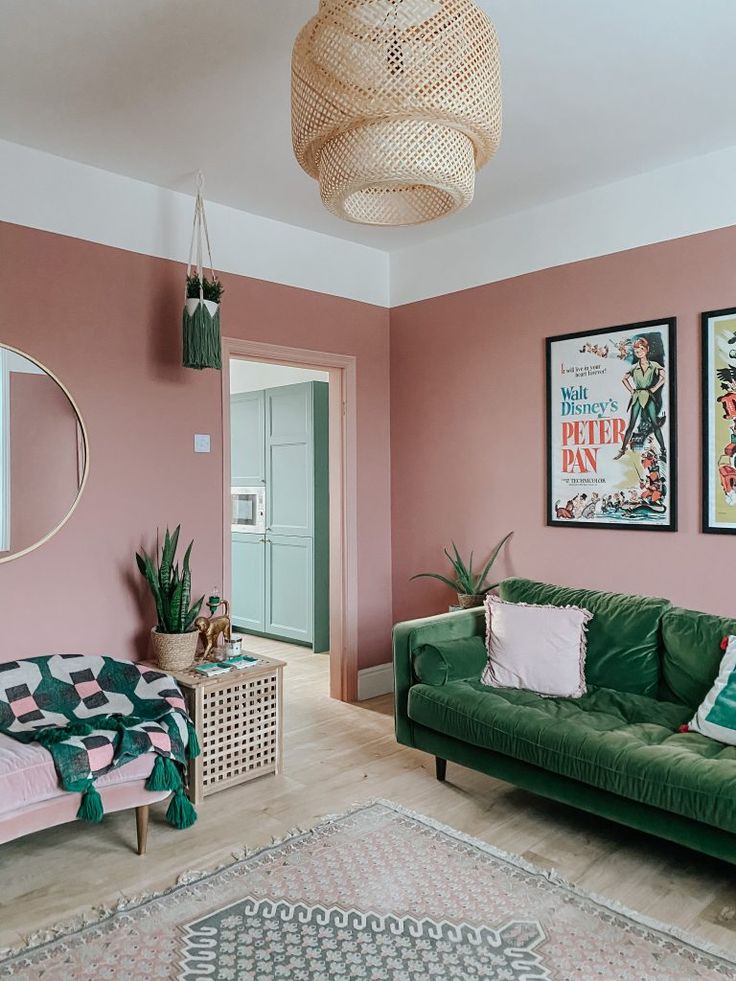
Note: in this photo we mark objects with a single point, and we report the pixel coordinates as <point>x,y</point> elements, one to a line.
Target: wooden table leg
<point>141,827</point>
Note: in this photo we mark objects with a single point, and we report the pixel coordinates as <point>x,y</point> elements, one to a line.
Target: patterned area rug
<point>378,893</point>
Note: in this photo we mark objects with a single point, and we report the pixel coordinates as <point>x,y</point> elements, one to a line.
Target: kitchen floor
<point>337,755</point>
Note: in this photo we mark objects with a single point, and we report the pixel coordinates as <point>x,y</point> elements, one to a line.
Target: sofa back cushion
<point>623,636</point>
<point>692,653</point>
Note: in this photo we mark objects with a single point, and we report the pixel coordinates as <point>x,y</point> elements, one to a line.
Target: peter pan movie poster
<point>719,421</point>
<point>611,428</point>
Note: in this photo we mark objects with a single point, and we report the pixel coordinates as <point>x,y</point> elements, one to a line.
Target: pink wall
<point>107,322</point>
<point>468,426</point>
<point>43,457</point>
<point>467,418</point>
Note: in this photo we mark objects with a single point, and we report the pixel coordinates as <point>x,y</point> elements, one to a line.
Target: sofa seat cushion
<point>28,775</point>
<point>626,744</point>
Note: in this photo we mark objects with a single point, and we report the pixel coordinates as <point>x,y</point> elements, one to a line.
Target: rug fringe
<point>97,915</point>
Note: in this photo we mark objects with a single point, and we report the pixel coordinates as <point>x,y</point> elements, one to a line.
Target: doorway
<point>279,475</point>
<point>289,504</point>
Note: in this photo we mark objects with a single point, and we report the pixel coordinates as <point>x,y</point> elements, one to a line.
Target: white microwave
<point>248,509</point>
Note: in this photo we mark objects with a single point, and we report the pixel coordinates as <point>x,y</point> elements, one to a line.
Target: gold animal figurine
<point>212,628</point>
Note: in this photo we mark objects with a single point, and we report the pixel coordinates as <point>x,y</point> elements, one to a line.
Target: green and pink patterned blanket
<point>94,714</point>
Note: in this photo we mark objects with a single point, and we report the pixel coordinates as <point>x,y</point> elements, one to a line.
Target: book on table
<point>240,661</point>
<point>213,668</point>
<point>210,669</point>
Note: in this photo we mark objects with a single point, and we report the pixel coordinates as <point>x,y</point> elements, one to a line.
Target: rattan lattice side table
<point>239,726</point>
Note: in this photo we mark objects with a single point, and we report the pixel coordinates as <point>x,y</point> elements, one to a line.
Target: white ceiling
<point>252,376</point>
<point>594,91</point>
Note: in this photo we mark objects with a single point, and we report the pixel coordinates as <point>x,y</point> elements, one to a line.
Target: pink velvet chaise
<point>31,798</point>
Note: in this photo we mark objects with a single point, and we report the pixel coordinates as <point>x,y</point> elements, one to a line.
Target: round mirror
<point>43,454</point>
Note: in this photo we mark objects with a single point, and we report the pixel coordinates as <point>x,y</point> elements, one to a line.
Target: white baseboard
<point>378,680</point>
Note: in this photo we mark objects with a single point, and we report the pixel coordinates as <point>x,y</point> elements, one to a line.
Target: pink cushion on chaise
<point>31,798</point>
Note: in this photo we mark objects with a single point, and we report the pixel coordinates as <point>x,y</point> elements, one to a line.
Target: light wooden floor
<point>336,755</point>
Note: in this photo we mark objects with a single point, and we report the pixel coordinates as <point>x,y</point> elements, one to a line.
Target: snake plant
<point>171,589</point>
<point>466,581</point>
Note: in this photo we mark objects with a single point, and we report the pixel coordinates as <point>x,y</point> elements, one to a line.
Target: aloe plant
<point>466,581</point>
<point>171,589</point>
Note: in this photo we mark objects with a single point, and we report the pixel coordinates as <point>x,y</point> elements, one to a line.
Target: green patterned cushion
<point>716,717</point>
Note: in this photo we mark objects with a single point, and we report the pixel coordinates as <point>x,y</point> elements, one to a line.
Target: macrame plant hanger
<point>201,320</point>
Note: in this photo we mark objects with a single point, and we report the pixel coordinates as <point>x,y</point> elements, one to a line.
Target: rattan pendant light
<point>395,106</point>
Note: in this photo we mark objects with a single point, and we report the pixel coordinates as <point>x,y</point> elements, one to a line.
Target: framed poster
<point>611,428</point>
<point>719,421</point>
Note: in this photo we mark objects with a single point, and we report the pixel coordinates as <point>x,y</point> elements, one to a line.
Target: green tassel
<point>91,807</point>
<point>193,747</point>
<point>174,771</point>
<point>180,813</point>
<point>157,779</point>
<point>201,336</point>
<point>164,775</point>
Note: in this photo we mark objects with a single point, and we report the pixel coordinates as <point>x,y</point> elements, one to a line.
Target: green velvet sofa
<point>617,751</point>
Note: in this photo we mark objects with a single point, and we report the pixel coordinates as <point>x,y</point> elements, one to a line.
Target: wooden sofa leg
<point>141,827</point>
<point>440,768</point>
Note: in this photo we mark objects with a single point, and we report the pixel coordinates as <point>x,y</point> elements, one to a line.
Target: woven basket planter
<point>174,652</point>
<point>395,106</point>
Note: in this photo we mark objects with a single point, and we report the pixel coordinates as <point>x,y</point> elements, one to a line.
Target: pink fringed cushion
<point>537,648</point>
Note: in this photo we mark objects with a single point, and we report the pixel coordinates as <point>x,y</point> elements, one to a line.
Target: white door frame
<point>343,494</point>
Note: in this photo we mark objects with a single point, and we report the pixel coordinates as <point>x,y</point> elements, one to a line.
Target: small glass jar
<point>234,647</point>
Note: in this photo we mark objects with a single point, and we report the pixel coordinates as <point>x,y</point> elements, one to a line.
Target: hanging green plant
<point>210,289</point>
<point>202,347</point>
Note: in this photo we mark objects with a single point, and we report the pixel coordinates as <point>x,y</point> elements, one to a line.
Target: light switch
<point>201,442</point>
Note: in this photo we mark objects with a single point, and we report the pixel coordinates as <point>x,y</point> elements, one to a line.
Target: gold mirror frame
<point>85,441</point>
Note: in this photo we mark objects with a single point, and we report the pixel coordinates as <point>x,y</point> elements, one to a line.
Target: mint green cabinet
<point>281,579</point>
<point>249,582</point>
<point>290,460</point>
<point>289,586</point>
<point>247,439</point>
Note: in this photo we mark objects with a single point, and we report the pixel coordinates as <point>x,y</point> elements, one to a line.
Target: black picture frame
<point>708,395</point>
<point>670,394</point>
